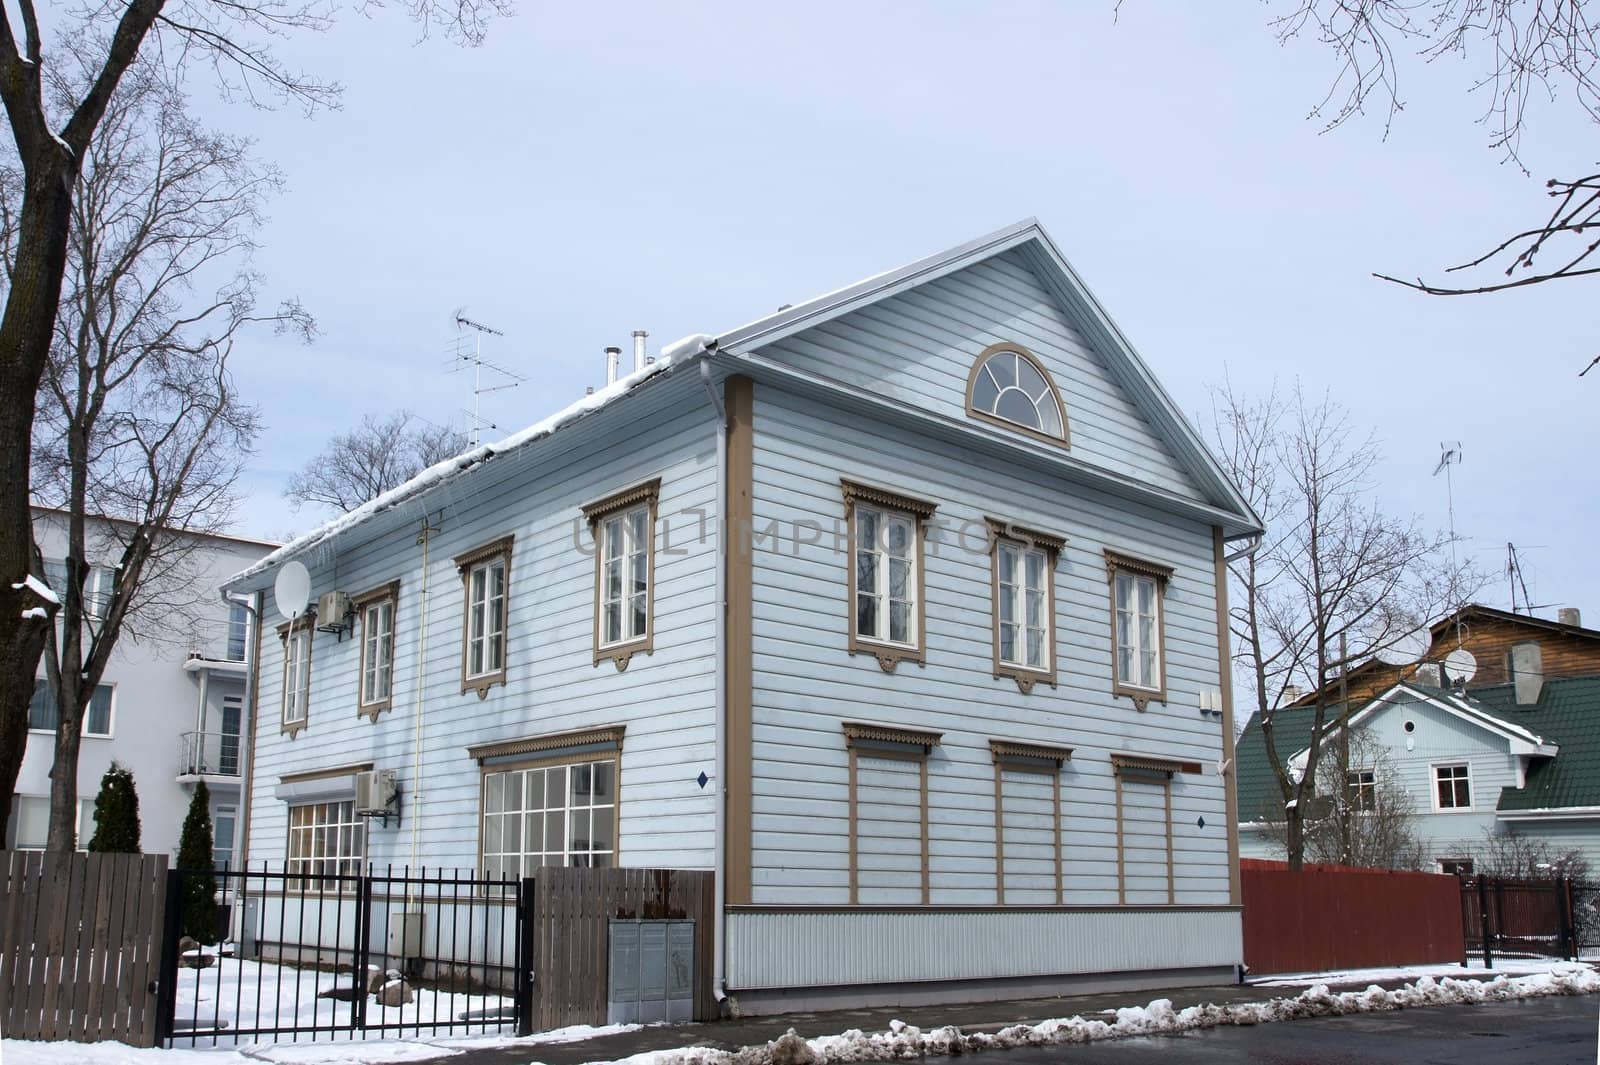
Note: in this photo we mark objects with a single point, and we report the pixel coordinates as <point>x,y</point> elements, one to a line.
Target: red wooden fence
<point>1333,917</point>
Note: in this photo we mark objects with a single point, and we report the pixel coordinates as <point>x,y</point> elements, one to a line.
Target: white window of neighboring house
<point>549,815</point>
<point>30,822</point>
<point>97,588</point>
<point>1452,787</point>
<point>238,631</point>
<point>1455,866</point>
<point>296,676</point>
<point>222,827</point>
<point>43,711</point>
<point>1363,789</point>
<point>377,653</point>
<point>326,839</point>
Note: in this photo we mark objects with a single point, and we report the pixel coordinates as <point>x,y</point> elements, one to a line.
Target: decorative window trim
<point>1064,440</point>
<point>389,592</point>
<point>329,773</point>
<point>902,744</point>
<point>465,562</point>
<point>550,745</point>
<point>558,758</point>
<point>1147,769</point>
<point>307,626</point>
<point>646,494</point>
<point>1018,757</point>
<point>1116,563</point>
<point>889,655</point>
<point>1000,531</point>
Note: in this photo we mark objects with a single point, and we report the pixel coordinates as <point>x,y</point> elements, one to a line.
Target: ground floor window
<point>326,839</point>
<point>541,815</point>
<point>30,822</point>
<point>1456,866</point>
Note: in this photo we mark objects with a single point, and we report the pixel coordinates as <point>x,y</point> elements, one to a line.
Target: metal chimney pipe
<point>613,357</point>
<point>638,349</point>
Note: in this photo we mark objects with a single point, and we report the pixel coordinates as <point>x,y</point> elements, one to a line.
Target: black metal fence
<point>1552,918</point>
<point>340,954</point>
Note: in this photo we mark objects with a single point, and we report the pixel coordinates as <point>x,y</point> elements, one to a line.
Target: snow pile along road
<point>1158,1018</point>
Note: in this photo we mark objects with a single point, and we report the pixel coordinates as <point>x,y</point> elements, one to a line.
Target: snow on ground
<point>250,994</point>
<point>1508,966</point>
<point>899,1041</point>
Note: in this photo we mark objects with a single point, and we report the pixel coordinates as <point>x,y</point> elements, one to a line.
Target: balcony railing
<point>208,754</point>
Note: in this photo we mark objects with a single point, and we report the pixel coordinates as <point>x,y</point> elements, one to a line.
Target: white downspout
<point>719,878</point>
<point>413,802</point>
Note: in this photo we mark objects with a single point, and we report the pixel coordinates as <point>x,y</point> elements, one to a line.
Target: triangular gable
<point>1521,741</point>
<point>1171,456</point>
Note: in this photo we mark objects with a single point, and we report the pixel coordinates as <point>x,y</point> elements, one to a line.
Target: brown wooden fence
<point>80,945</point>
<point>1332,917</point>
<point>570,930</point>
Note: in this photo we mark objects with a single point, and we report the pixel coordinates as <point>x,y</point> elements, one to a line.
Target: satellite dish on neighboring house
<point>1461,665</point>
<point>292,590</point>
<point>1405,650</point>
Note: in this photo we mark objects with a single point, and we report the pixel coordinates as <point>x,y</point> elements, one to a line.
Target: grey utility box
<point>652,972</point>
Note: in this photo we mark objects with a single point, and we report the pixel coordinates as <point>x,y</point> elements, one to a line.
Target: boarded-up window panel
<point>888,831</point>
<point>1030,837</point>
<point>1144,841</point>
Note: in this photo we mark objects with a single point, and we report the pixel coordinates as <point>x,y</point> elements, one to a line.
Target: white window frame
<point>620,534</point>
<point>1434,778</point>
<point>1359,783</point>
<point>486,634</point>
<point>1133,582</point>
<point>111,711</point>
<point>881,592</point>
<point>307,850</point>
<point>81,836</point>
<point>296,697</point>
<point>1017,599</point>
<point>1468,862</point>
<point>496,816</point>
<point>238,622</point>
<point>377,652</point>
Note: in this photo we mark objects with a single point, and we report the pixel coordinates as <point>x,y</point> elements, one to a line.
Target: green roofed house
<point>1518,759</point>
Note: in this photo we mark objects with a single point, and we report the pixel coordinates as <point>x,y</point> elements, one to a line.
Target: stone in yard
<point>194,959</point>
<point>376,978</point>
<point>395,993</point>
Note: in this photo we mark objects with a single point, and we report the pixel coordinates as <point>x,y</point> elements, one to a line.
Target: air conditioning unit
<point>377,792</point>
<point>334,610</point>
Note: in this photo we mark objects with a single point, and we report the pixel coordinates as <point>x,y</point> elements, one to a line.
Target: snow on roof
<point>477,456</point>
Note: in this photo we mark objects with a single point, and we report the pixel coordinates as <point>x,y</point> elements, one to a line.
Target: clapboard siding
<point>665,699</point>
<point>918,347</point>
<point>806,683</point>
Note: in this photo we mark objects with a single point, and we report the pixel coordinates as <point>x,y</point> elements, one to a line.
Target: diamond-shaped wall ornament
<point>1201,822</point>
<point>702,779</point>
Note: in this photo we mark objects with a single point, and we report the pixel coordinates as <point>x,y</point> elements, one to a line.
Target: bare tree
<point>1518,51</point>
<point>367,461</point>
<point>1334,581</point>
<point>228,41</point>
<point>1361,815</point>
<point>137,417</point>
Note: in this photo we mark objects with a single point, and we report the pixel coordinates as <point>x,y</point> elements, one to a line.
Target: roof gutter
<point>1551,813</point>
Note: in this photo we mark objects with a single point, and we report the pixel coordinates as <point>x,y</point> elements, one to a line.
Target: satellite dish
<point>1461,664</point>
<point>292,590</point>
<point>1407,649</point>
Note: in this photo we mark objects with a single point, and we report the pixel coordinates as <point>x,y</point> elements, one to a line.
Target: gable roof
<point>1521,738</point>
<point>1027,236</point>
<point>1568,713</point>
<point>1031,241</point>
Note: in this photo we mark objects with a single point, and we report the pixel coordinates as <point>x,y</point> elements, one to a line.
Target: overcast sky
<point>681,168</point>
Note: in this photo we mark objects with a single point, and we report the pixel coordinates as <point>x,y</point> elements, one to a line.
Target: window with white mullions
<point>1008,384</point>
<point>326,839</point>
<point>486,618</point>
<point>625,577</point>
<point>552,815</point>
<point>296,675</point>
<point>1362,788</point>
<point>886,576</point>
<point>1024,606</point>
<point>377,652</point>
<point>1138,631</point>
<point>1452,787</point>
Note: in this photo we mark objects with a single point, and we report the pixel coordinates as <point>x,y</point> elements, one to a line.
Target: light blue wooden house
<point>901,609</point>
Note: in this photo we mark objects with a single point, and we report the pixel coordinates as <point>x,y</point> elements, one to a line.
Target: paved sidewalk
<point>733,1034</point>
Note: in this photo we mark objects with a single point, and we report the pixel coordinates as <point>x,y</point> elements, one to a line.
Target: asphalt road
<point>1542,1031</point>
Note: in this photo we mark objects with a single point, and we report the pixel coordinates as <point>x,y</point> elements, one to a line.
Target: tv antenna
<point>1451,456</point>
<point>468,349</point>
<point>1519,583</point>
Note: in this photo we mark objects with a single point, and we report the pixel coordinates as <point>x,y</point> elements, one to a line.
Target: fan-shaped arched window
<point>1008,385</point>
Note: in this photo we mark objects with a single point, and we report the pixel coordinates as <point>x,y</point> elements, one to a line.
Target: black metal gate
<point>1504,916</point>
<point>338,953</point>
